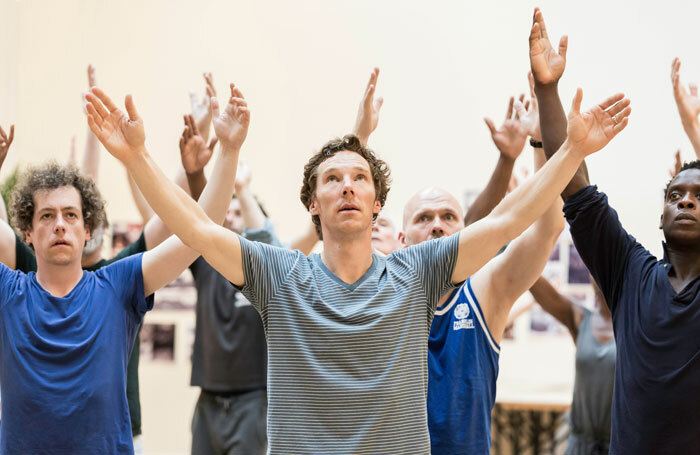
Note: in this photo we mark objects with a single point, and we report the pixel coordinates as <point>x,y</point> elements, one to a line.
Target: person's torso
<point>347,363</point>
<point>230,350</point>
<point>656,404</point>
<point>64,368</point>
<point>463,368</point>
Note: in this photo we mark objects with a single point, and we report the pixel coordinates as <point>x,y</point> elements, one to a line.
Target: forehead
<point>235,204</point>
<point>344,160</point>
<point>689,177</point>
<point>434,200</point>
<point>57,198</point>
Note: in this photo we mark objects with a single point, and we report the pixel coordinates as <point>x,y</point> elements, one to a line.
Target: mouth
<point>347,208</point>
<point>685,217</point>
<point>60,243</point>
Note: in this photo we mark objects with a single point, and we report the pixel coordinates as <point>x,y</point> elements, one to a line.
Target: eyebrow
<point>53,209</point>
<point>336,169</point>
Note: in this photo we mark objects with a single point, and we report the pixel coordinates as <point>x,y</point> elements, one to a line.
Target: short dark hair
<point>690,165</point>
<point>381,175</point>
<point>50,176</point>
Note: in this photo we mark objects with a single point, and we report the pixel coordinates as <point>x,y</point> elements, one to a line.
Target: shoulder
<point>121,268</point>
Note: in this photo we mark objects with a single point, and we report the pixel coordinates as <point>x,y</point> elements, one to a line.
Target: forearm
<point>196,181</point>
<point>155,231</point>
<point>553,124</point>
<point>253,216</point>
<point>554,303</point>
<point>493,193</point>
<point>91,158</point>
<point>692,130</point>
<point>306,241</point>
<point>141,204</point>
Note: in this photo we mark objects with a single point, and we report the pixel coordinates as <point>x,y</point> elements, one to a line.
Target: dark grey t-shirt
<point>230,351</point>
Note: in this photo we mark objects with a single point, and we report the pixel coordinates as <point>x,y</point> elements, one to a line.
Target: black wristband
<point>536,144</point>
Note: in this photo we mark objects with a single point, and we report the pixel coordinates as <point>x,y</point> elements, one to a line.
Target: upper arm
<point>8,254</point>
<point>164,263</point>
<point>478,243</point>
<point>155,232</point>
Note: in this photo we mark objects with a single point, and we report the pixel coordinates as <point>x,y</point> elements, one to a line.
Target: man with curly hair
<point>347,329</point>
<point>67,333</point>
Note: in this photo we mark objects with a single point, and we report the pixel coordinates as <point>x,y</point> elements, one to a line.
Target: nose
<point>437,226</point>
<point>60,225</point>
<point>347,186</point>
<point>686,202</point>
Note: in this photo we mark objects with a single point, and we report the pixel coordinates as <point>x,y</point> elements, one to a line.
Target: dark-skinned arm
<point>555,304</point>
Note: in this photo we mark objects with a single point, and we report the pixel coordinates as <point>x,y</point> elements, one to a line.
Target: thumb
<point>378,103</point>
<point>520,109</point>
<point>563,46</point>
<point>576,104</point>
<point>491,126</point>
<point>693,89</point>
<point>215,106</point>
<point>212,143</point>
<point>131,108</point>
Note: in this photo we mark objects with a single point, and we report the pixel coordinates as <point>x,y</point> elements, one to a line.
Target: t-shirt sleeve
<point>265,268</point>
<point>139,246</point>
<point>266,234</point>
<point>9,283</point>
<point>604,245</point>
<point>434,262</point>
<point>25,261</point>
<point>126,278</point>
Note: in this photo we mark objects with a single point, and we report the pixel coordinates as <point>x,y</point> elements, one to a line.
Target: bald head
<point>430,213</point>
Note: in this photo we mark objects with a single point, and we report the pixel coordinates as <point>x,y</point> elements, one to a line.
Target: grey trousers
<point>235,425</point>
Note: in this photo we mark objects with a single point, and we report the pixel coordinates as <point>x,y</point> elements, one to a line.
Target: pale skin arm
<point>499,283</point>
<point>140,202</point>
<point>7,235</point>
<point>306,241</point>
<point>253,216</point>
<point>688,104</point>
<point>368,112</point>
<point>123,136</point>
<point>588,132</point>
<point>91,158</point>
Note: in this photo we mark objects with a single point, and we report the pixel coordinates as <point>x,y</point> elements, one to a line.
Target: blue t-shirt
<point>63,361</point>
<point>462,368</point>
<point>656,397</point>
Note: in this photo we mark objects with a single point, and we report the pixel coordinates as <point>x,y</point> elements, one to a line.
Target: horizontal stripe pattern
<point>347,369</point>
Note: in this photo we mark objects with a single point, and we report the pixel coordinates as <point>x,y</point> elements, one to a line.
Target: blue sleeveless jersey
<point>462,368</point>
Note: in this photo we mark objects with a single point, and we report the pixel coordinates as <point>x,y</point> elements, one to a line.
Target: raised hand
<point>591,131</point>
<point>201,110</point>
<point>194,152</point>
<point>5,142</point>
<point>510,137</point>
<point>231,125</point>
<point>72,154</point>
<point>529,113</point>
<point>368,112</point>
<point>243,177</point>
<point>122,135</point>
<point>687,100</point>
<point>92,82</point>
<point>546,63</point>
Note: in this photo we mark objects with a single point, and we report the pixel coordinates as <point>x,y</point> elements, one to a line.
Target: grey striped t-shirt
<point>347,363</point>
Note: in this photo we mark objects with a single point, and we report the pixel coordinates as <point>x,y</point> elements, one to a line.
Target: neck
<point>347,258</point>
<point>58,280</point>
<point>685,261</point>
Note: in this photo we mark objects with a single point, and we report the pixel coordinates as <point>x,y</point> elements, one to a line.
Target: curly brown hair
<point>50,176</point>
<point>381,175</point>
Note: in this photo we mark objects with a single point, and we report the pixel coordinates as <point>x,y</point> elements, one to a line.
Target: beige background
<point>303,66</point>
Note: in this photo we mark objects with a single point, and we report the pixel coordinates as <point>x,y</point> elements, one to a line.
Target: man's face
<point>384,238</point>
<point>234,217</point>
<point>680,220</point>
<point>345,197</point>
<point>58,231</point>
<point>430,214</point>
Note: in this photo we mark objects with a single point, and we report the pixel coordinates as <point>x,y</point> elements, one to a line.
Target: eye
<point>361,177</point>
<point>673,196</point>
<point>45,216</point>
<point>332,178</point>
<point>449,216</point>
<point>72,215</point>
<point>423,218</point>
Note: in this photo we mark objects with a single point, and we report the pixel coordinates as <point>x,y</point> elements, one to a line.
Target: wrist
<point>230,149</point>
<point>362,136</point>
<point>544,89</point>
<point>536,142</point>
<point>136,157</point>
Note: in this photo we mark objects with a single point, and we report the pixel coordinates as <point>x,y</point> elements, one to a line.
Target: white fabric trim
<point>446,308</point>
<point>482,323</point>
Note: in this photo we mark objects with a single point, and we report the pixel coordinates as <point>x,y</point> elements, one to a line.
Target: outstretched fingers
<point>539,18</point>
<point>131,108</point>
<point>618,107</point>
<point>611,101</point>
<point>106,100</point>
<point>576,103</point>
<point>95,107</point>
<point>509,112</point>
<point>563,46</point>
<point>492,127</point>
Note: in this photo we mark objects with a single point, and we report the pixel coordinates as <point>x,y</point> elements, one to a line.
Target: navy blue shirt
<point>63,361</point>
<point>656,398</point>
<point>462,373</point>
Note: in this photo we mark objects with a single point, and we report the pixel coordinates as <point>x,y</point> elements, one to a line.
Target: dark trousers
<point>230,425</point>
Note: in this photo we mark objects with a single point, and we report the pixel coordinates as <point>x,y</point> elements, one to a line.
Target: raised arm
<point>688,104</point>
<point>7,235</point>
<point>194,155</point>
<point>555,304</point>
<point>368,112</point>
<point>253,216</point>
<point>91,158</point>
<point>588,132</point>
<point>201,110</point>
<point>506,277</point>
<point>123,136</point>
<point>139,201</point>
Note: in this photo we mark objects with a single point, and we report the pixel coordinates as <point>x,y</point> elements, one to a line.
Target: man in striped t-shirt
<point>347,330</point>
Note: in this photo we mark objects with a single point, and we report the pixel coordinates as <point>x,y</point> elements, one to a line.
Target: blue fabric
<point>63,361</point>
<point>656,399</point>
<point>462,368</point>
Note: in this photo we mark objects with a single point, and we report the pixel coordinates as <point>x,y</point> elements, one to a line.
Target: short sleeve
<point>265,268</point>
<point>264,235</point>
<point>434,262</point>
<point>9,283</point>
<point>603,244</point>
<point>126,278</point>
<point>25,261</point>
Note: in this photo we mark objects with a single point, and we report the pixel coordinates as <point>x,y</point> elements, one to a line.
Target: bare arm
<point>195,154</point>
<point>306,241</point>
<point>506,277</point>
<point>253,216</point>
<point>140,202</point>
<point>91,158</point>
<point>587,133</point>
<point>555,304</point>
<point>688,104</point>
<point>7,235</point>
<point>123,136</point>
<point>368,112</point>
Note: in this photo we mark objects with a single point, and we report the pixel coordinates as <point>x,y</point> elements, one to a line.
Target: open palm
<point>121,134</point>
<point>194,152</point>
<point>546,63</point>
<point>687,101</point>
<point>231,125</point>
<point>592,130</point>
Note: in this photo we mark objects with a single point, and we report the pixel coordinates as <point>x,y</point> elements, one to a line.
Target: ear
<point>87,234</point>
<point>377,207</point>
<point>402,240</point>
<point>313,208</point>
<point>28,237</point>
<point>661,221</point>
